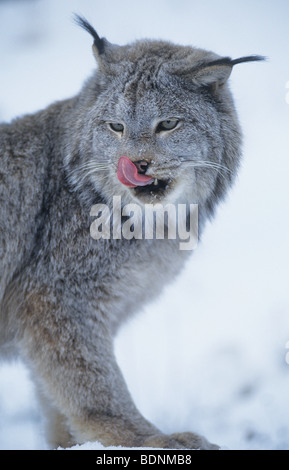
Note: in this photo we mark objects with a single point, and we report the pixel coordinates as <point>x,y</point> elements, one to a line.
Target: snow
<point>210,355</point>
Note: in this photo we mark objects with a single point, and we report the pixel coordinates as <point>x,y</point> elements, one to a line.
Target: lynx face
<point>158,125</point>
<point>168,128</point>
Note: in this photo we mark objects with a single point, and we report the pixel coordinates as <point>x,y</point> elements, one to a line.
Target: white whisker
<point>89,165</point>
<point>207,164</point>
<point>87,169</point>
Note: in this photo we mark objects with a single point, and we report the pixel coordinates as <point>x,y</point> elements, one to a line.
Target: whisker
<point>91,165</point>
<point>95,163</point>
<point>81,177</point>
<point>217,166</point>
<point>206,164</point>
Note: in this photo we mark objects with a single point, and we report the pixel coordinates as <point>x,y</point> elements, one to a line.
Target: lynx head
<point>157,124</point>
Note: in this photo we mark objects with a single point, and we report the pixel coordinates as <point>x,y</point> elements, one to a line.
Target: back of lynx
<point>155,124</point>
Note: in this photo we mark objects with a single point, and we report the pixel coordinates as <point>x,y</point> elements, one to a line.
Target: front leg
<point>71,355</point>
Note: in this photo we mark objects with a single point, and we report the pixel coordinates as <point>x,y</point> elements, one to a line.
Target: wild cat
<point>155,124</point>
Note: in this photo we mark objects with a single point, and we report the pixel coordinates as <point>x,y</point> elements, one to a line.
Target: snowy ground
<point>209,356</point>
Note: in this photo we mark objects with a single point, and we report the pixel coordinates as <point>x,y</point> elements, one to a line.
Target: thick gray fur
<point>63,295</point>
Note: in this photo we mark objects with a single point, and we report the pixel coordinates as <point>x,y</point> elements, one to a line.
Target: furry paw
<point>184,440</point>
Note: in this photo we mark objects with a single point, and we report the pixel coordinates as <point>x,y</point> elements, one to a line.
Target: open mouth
<point>157,188</point>
<point>142,184</point>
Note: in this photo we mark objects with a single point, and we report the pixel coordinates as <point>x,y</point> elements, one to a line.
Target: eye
<point>167,125</point>
<point>116,126</point>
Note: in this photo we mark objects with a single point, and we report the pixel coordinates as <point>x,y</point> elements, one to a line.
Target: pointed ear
<point>217,72</point>
<point>213,73</point>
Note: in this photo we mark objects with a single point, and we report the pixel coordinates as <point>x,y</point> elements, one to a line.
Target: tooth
<point>155,181</point>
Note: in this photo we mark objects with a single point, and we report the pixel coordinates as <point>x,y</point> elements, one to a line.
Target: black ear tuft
<point>216,72</point>
<point>227,61</point>
<point>83,23</point>
<point>250,58</point>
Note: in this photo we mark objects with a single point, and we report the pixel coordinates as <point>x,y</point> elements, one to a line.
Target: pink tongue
<point>127,174</point>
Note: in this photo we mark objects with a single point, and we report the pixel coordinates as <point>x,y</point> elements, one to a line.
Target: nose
<point>142,166</point>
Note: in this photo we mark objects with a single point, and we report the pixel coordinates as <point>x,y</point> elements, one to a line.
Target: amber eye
<point>167,125</point>
<point>116,126</point>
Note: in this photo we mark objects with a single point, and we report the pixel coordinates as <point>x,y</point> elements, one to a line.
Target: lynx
<point>154,124</point>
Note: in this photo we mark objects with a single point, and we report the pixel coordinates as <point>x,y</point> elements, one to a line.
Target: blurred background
<point>210,355</point>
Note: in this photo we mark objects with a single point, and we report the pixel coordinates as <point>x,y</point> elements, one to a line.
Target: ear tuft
<point>99,43</point>
<point>249,58</point>
<point>218,71</point>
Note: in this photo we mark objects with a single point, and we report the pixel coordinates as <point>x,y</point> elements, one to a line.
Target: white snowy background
<point>210,355</point>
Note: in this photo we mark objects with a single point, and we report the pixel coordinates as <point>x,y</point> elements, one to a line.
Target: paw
<point>184,440</point>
